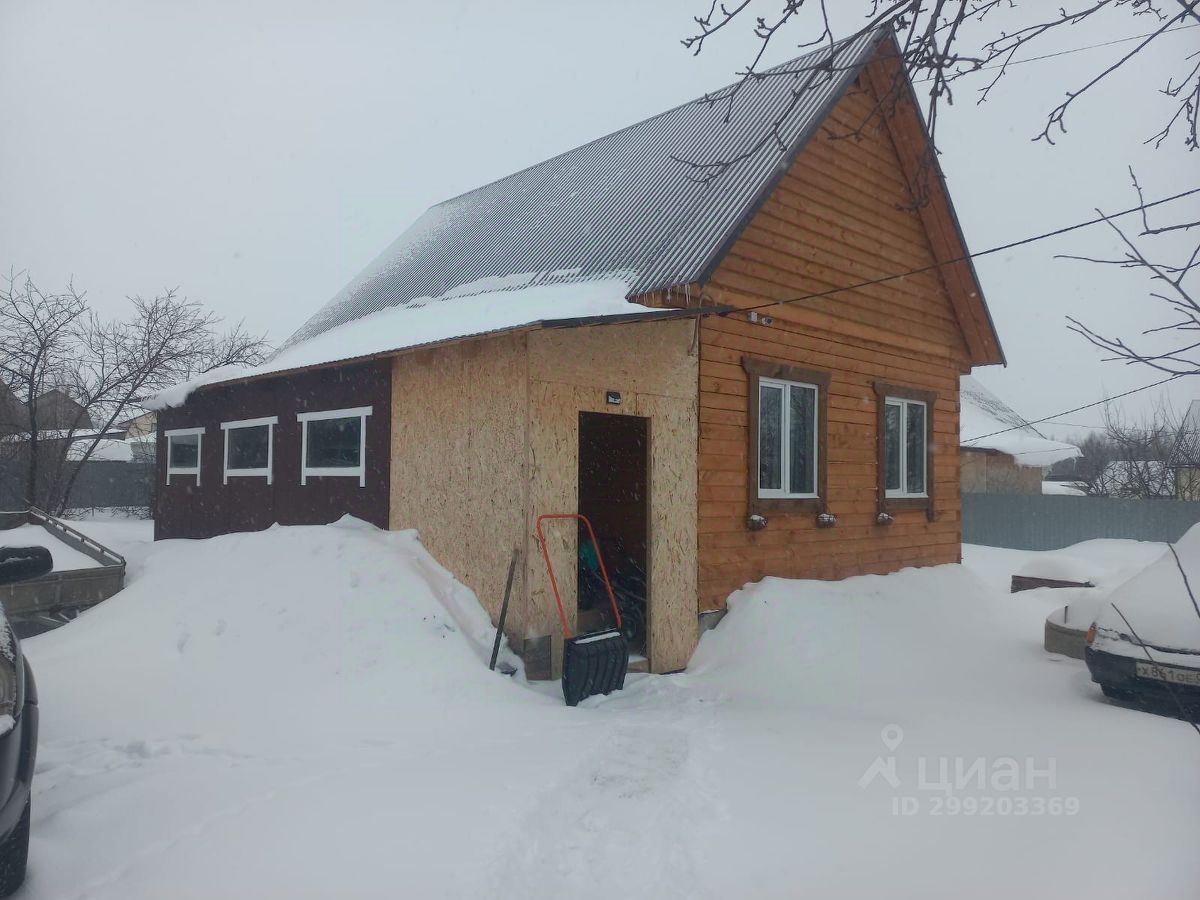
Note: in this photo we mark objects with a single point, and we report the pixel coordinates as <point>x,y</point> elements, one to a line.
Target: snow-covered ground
<point>305,712</point>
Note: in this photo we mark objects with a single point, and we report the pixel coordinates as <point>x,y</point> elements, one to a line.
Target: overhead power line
<point>1000,248</point>
<point>1068,50</point>
<point>1068,412</point>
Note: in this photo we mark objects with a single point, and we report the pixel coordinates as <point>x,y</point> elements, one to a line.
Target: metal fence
<point>1033,522</point>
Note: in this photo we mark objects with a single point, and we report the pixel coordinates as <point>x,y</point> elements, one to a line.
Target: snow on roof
<point>105,449</point>
<point>982,414</point>
<point>485,307</point>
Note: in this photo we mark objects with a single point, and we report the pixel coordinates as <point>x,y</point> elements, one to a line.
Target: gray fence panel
<point>1032,522</point>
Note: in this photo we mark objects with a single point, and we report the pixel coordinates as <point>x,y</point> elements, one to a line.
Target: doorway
<point>614,496</point>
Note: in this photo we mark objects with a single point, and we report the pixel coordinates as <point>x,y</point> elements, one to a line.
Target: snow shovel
<point>593,663</point>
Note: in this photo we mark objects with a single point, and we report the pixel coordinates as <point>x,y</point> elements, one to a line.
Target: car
<point>1144,646</point>
<point>18,725</point>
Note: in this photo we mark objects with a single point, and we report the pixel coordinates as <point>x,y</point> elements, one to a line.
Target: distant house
<point>57,411</point>
<point>139,426</point>
<point>603,334</point>
<point>1001,453</point>
<point>13,418</point>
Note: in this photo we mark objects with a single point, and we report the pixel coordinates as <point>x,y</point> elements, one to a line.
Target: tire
<point>1123,696</point>
<point>14,854</point>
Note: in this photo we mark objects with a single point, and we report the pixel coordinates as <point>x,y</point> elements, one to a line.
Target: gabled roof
<point>985,422</point>
<point>625,205</point>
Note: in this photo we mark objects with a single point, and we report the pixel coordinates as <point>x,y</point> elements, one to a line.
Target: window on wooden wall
<point>905,453</point>
<point>787,414</point>
<point>334,444</point>
<point>905,449</point>
<point>183,452</point>
<point>249,448</point>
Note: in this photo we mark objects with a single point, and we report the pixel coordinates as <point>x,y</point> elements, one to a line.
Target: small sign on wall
<point>612,398</point>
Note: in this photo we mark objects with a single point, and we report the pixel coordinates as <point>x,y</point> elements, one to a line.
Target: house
<point>58,411</point>
<point>139,426</point>
<point>13,418</point>
<point>1001,453</point>
<point>615,333</point>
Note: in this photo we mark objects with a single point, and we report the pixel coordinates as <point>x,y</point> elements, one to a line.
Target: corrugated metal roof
<point>621,205</point>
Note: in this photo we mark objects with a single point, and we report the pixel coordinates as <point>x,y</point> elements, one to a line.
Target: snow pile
<point>311,620</point>
<point>986,422</point>
<point>1156,606</point>
<point>304,712</point>
<point>483,307</point>
<point>65,557</point>
<point>1057,566</point>
<point>1107,564</point>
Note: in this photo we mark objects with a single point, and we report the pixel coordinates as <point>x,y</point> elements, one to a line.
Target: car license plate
<point>1169,674</point>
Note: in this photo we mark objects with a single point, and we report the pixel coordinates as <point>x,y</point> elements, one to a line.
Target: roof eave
<point>538,325</point>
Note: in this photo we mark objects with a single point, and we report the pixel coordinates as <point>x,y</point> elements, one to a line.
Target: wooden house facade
<point>781,399</point>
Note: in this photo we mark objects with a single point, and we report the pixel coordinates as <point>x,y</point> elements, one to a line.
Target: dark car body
<point>18,749</point>
<point>1120,678</point>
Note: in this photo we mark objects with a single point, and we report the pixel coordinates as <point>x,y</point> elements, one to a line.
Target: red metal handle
<point>550,569</point>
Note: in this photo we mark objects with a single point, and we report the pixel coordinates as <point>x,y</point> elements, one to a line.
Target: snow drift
<point>304,626</point>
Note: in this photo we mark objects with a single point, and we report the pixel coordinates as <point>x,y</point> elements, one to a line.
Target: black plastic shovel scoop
<point>592,663</point>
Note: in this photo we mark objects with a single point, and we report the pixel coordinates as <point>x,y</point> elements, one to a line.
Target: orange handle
<point>550,569</point>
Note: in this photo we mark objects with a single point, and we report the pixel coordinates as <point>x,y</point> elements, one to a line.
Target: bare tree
<point>936,50</point>
<point>36,339</point>
<point>1171,284</point>
<point>1132,457</point>
<point>53,341</point>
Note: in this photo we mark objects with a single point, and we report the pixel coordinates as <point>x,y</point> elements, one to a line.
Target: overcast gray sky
<point>258,154</point>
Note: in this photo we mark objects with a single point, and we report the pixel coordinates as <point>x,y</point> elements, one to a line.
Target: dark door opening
<point>613,492</point>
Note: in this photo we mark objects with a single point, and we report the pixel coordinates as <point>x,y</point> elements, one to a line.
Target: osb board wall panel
<point>836,218</point>
<point>458,461</point>
<point>654,366</point>
<point>187,510</point>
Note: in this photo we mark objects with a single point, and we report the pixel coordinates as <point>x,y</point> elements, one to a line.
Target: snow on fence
<point>1040,522</point>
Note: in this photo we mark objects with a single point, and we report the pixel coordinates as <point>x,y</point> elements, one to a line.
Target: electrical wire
<point>1067,412</point>
<point>999,248</point>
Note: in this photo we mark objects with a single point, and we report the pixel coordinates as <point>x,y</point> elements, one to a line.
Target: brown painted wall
<point>835,219</point>
<point>249,504</point>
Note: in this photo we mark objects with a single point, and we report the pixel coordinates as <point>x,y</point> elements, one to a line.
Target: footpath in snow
<point>307,712</point>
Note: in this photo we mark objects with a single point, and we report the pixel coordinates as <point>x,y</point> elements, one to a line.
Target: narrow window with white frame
<point>905,447</point>
<point>249,448</point>
<point>787,439</point>
<point>183,452</point>
<point>334,444</point>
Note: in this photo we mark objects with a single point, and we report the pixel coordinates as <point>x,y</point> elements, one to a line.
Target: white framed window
<point>787,439</point>
<point>249,448</point>
<point>905,447</point>
<point>333,443</point>
<point>183,452</point>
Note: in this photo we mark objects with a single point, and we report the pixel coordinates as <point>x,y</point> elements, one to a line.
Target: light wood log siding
<point>836,218</point>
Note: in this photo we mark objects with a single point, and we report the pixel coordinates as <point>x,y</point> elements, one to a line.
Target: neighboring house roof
<point>626,204</point>
<point>985,422</point>
<point>58,410</point>
<point>1186,452</point>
